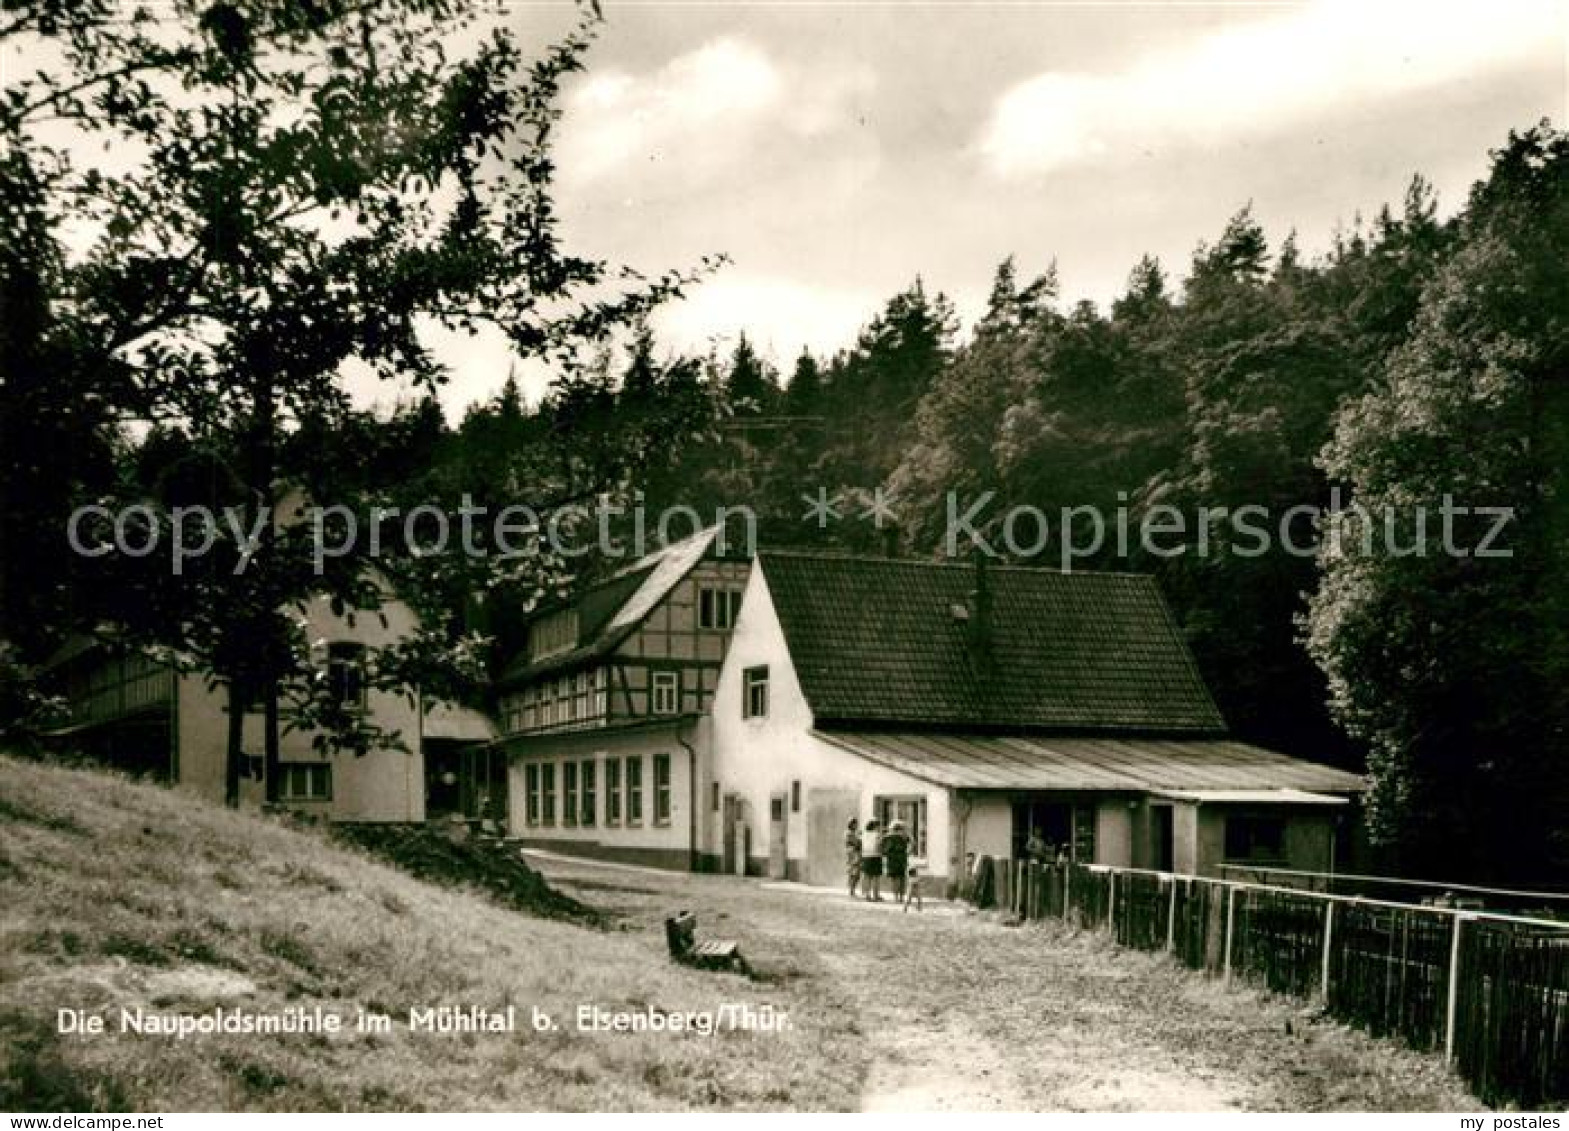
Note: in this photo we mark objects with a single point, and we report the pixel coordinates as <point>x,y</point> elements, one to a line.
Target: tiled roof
<point>612,609</point>
<point>1194,769</point>
<point>881,640</point>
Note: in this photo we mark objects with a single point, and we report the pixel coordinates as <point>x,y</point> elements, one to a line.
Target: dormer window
<point>553,634</point>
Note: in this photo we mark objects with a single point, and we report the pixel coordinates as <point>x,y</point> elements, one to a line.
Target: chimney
<point>979,610</point>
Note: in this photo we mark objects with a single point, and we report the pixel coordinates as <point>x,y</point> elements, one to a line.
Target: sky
<point>836,150</point>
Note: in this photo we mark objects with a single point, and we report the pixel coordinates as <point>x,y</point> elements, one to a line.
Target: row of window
<point>623,792</point>
<point>565,699</point>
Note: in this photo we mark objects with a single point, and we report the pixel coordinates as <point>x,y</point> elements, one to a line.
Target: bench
<point>714,954</point>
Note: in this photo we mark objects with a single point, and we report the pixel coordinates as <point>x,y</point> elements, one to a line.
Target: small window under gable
<point>718,608</point>
<point>346,674</point>
<point>754,692</point>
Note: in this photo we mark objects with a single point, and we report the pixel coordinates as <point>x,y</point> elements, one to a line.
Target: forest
<point>195,352</point>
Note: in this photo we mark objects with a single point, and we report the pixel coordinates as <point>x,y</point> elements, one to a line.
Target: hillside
<point>121,896</point>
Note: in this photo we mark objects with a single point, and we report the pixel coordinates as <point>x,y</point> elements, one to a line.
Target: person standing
<point>872,861</point>
<point>852,855</point>
<point>896,857</point>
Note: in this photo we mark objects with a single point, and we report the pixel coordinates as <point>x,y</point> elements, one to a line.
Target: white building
<point>133,713</point>
<point>979,704</point>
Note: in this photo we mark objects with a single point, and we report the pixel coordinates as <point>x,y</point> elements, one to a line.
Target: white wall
<point>383,785</point>
<point>762,756</point>
<point>988,827</point>
<point>665,844</point>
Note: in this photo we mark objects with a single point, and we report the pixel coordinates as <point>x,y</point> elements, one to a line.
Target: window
<point>912,811</point>
<point>569,794</point>
<point>1255,838</point>
<point>713,802</point>
<point>305,781</point>
<point>634,790</point>
<point>580,696</point>
<point>661,789</point>
<point>547,793</point>
<point>590,809</point>
<point>346,674</point>
<point>795,796</point>
<point>754,692</point>
<point>612,791</point>
<point>665,693</point>
<point>599,691</point>
<point>531,792</point>
<point>718,608</point>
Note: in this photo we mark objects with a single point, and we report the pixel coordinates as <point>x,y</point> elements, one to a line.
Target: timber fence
<point>1490,991</point>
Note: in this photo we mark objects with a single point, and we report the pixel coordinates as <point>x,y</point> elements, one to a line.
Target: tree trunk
<point>236,747</point>
<point>270,741</point>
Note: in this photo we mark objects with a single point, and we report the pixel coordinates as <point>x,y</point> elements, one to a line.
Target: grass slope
<point>118,894</point>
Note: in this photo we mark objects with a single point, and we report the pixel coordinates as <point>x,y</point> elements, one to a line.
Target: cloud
<point>1262,77</point>
<point>706,108</point>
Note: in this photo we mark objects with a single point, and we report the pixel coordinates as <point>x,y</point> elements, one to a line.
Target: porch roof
<point>458,723</point>
<point>1142,765</point>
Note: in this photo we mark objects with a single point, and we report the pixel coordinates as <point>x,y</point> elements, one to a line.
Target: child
<point>912,888</point>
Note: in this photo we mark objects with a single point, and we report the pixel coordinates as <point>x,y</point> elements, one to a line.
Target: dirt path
<point>955,1011</point>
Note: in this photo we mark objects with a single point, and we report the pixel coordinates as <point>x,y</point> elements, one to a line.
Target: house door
<point>734,850</point>
<point>1162,836</point>
<point>778,835</point>
<point>828,811</point>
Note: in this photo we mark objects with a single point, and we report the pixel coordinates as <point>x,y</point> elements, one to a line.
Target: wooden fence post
<point>1231,919</point>
<point>1171,916</point>
<point>1452,1006</point>
<point>1329,931</point>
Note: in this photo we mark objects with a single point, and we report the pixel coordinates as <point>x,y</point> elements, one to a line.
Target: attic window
<point>754,692</point>
<point>718,608</point>
<point>346,674</point>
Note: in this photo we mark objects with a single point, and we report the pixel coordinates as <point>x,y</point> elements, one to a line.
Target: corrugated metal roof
<point>1041,762</point>
<point>1245,796</point>
<point>879,641</point>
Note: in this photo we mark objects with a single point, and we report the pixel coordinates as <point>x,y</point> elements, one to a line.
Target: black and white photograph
<point>798,556</point>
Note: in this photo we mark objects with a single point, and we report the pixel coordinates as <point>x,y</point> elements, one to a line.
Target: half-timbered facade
<point>605,713</point>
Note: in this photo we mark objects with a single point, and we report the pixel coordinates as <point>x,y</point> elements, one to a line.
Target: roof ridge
<point>835,555</point>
